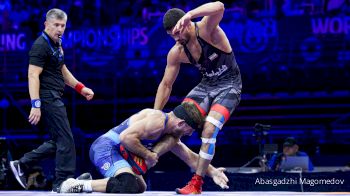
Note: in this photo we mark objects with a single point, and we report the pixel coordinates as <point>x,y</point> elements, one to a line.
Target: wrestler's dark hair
<point>189,112</point>
<point>194,113</point>
<point>171,17</point>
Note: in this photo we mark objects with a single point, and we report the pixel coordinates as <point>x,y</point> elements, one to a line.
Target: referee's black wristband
<point>36,103</point>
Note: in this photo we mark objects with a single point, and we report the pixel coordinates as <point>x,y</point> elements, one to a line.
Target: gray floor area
<point>156,193</point>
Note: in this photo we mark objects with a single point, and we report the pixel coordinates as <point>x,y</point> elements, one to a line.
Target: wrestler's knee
<point>209,134</point>
<point>123,183</point>
<point>208,130</point>
<point>142,187</point>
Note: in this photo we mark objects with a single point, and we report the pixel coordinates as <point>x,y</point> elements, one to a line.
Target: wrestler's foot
<point>193,187</point>
<point>72,185</point>
<point>84,176</point>
<point>137,163</point>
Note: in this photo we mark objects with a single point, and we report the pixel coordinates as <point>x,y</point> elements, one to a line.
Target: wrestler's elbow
<point>124,138</point>
<point>220,6</point>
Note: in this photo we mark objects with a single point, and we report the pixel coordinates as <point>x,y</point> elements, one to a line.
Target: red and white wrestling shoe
<point>137,163</point>
<point>193,187</point>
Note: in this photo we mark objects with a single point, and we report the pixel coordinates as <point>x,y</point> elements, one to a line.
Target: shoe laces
<point>78,188</point>
<point>20,173</point>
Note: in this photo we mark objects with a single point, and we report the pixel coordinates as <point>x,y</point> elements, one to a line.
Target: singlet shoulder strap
<point>189,55</point>
<point>197,29</point>
<point>166,119</point>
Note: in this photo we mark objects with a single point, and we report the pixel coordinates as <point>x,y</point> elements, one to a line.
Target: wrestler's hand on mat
<point>34,116</point>
<point>87,93</point>
<point>220,178</point>
<point>151,160</point>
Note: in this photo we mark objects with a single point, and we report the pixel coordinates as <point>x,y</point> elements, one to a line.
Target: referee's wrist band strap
<point>36,103</point>
<point>79,86</point>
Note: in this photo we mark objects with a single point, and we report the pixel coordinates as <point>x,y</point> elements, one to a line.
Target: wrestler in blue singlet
<point>104,154</point>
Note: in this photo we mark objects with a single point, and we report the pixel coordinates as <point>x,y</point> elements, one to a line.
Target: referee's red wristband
<point>79,87</point>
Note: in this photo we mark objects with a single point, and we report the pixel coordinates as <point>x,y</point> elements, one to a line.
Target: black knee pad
<point>123,183</point>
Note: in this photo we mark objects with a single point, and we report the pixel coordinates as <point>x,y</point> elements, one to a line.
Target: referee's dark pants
<point>54,115</point>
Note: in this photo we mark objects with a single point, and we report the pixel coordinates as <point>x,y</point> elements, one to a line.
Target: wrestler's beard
<point>183,41</point>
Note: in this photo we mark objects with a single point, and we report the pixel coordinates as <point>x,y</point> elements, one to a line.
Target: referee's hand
<point>34,116</point>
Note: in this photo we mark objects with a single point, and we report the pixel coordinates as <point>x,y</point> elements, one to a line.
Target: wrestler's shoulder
<point>177,48</point>
<point>176,52</point>
<point>152,112</point>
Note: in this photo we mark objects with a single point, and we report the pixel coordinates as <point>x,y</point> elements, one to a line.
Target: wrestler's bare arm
<point>169,142</point>
<point>170,74</point>
<point>173,144</point>
<point>188,156</point>
<point>144,128</point>
<point>166,143</point>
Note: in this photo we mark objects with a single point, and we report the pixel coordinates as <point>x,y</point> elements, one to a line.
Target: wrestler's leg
<point>223,105</point>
